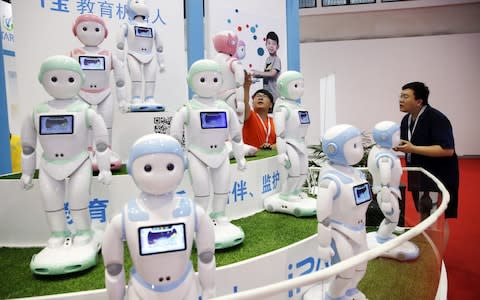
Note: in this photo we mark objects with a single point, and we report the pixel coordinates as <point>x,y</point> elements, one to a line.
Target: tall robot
<point>159,227</point>
<point>141,42</point>
<point>226,44</point>
<point>343,198</point>
<point>97,64</point>
<point>208,123</point>
<point>291,125</point>
<point>386,171</point>
<point>62,126</point>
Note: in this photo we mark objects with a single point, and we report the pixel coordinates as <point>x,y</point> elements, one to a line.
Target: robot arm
<point>119,75</point>
<point>177,124</point>
<point>279,118</point>
<point>326,192</point>
<point>237,143</point>
<point>29,154</point>
<point>121,35</point>
<point>160,54</point>
<point>112,252</point>
<point>100,136</point>
<point>385,169</point>
<point>205,243</point>
<point>238,72</point>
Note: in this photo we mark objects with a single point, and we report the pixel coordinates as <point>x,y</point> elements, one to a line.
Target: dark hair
<point>272,36</point>
<point>265,92</point>
<point>420,90</point>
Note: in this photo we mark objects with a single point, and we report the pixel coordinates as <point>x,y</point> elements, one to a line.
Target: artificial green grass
<point>265,232</point>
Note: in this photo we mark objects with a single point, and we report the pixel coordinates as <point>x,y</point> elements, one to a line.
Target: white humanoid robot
<point>291,125</point>
<point>342,202</point>
<point>97,65</point>
<point>208,123</point>
<point>386,171</point>
<point>139,41</point>
<point>159,226</point>
<point>226,43</point>
<point>62,126</point>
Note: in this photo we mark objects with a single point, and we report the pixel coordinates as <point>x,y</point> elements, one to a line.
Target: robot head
<point>156,163</point>
<point>225,42</point>
<point>61,76</point>
<point>205,78</point>
<point>90,29</point>
<point>290,85</point>
<point>137,8</point>
<point>342,144</point>
<point>386,134</point>
<point>241,51</point>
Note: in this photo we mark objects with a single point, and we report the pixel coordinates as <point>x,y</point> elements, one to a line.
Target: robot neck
<point>91,48</point>
<point>152,201</point>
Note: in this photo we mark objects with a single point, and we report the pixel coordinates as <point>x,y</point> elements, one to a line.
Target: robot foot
<point>317,292</point>
<point>115,161</point>
<point>227,234</point>
<point>82,238</point>
<point>147,107</point>
<point>293,205</point>
<point>406,251</point>
<point>355,294</point>
<point>59,241</point>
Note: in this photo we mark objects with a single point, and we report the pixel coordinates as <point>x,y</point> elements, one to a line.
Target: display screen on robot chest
<point>56,124</point>
<point>362,193</point>
<point>92,62</point>
<point>143,32</point>
<point>304,117</point>
<point>162,238</point>
<point>213,119</point>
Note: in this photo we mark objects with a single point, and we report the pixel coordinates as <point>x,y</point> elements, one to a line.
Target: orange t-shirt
<point>255,132</point>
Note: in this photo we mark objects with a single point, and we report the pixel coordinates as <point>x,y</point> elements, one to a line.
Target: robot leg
<point>343,281</point>
<point>220,179</point>
<point>134,68</point>
<point>199,179</point>
<point>79,196</point>
<point>390,222</point>
<point>149,73</point>
<point>303,164</point>
<point>289,187</point>
<point>353,293</point>
<point>53,194</point>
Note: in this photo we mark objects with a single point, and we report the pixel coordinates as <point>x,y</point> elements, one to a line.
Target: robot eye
<point>54,79</point>
<point>296,85</point>
<point>202,79</point>
<point>147,168</point>
<point>215,79</point>
<point>170,167</point>
<point>71,79</point>
<point>84,28</point>
<point>97,29</point>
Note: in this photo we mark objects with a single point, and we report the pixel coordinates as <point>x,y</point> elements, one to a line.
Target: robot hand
<point>325,253</point>
<point>105,177</point>
<point>124,107</point>
<point>161,67</point>
<point>284,160</point>
<point>242,164</point>
<point>386,206</point>
<point>27,181</point>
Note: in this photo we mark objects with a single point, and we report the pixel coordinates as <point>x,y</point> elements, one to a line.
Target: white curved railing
<point>309,279</point>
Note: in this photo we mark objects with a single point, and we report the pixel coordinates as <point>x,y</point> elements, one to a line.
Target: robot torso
<point>376,154</point>
<point>296,123</point>
<point>140,37</point>
<point>97,66</point>
<point>63,134</point>
<point>207,131</point>
<point>160,244</point>
<point>350,203</point>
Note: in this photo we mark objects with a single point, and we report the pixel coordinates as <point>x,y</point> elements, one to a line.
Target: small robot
<point>386,171</point>
<point>159,227</point>
<point>208,123</point>
<point>142,41</point>
<point>97,65</point>
<point>291,125</point>
<point>342,203</point>
<point>62,126</point>
<point>226,44</point>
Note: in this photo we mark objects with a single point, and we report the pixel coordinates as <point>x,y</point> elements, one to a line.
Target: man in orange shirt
<point>258,128</point>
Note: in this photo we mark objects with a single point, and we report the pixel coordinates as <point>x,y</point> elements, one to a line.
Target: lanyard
<point>412,130</point>
<point>267,128</point>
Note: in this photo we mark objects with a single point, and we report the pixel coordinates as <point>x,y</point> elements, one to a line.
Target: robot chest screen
<point>56,124</point>
<point>144,32</point>
<point>159,239</point>
<point>304,117</point>
<point>362,193</point>
<point>213,119</point>
<point>95,63</point>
